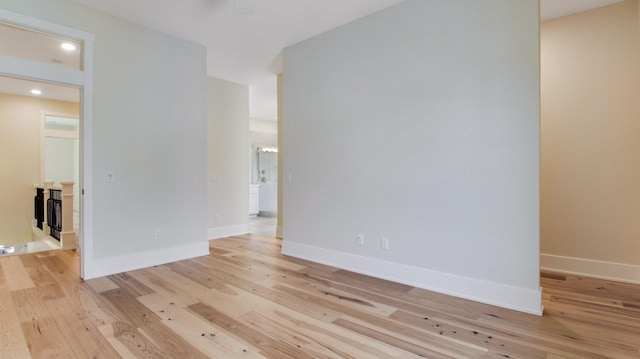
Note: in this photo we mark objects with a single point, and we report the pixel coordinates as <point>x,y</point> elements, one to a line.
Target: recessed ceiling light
<point>68,46</point>
<point>36,92</point>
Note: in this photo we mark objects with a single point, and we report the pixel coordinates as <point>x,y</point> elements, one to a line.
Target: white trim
<point>154,257</point>
<point>44,133</point>
<point>71,135</point>
<point>620,272</point>
<point>39,71</point>
<point>498,294</point>
<point>32,23</point>
<point>86,161</point>
<point>223,232</point>
<point>279,232</point>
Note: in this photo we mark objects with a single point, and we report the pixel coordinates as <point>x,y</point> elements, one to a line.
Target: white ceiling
<point>9,85</point>
<point>246,48</point>
<point>243,48</point>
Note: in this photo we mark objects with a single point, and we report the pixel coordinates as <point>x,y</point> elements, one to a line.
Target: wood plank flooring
<point>246,300</point>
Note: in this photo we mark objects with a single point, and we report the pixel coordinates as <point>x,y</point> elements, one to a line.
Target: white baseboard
<point>591,268</point>
<point>501,295</point>
<point>150,258</point>
<point>223,232</point>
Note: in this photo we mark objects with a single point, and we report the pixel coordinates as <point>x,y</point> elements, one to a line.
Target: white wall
<point>62,157</point>
<point>76,175</point>
<point>420,123</point>
<point>228,153</point>
<point>149,130</point>
<point>263,126</point>
<point>279,227</point>
<point>58,159</point>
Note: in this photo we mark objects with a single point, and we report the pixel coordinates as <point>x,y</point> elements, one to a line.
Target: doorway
<point>263,188</point>
<point>27,135</point>
<point>61,152</point>
<point>60,164</point>
<point>54,55</point>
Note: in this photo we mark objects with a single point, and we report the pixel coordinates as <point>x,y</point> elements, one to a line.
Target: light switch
<point>109,177</point>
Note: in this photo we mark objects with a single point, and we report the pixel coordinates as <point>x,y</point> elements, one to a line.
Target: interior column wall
<point>419,126</point>
<point>227,155</point>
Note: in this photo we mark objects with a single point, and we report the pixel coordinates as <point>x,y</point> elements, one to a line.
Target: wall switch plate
<point>158,233</point>
<point>360,239</point>
<point>109,176</point>
<point>384,243</point>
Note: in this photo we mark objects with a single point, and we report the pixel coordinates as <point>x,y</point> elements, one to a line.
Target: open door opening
<point>40,126</point>
<point>46,72</point>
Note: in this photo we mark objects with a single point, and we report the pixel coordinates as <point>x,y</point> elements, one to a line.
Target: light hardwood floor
<point>246,300</point>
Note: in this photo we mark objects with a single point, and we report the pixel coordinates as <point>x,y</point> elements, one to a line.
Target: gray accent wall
<point>419,124</point>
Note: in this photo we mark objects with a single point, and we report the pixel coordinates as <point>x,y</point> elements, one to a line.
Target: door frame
<point>44,133</point>
<point>81,79</point>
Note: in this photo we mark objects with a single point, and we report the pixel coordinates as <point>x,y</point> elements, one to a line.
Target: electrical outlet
<point>109,176</point>
<point>360,239</point>
<point>158,233</point>
<point>384,243</point>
